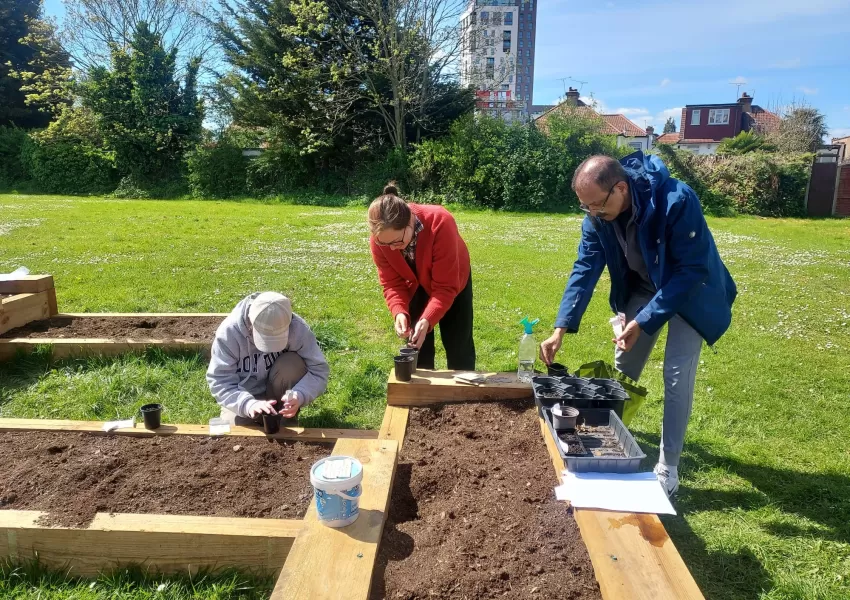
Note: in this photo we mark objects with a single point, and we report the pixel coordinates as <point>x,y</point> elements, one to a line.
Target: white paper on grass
<point>629,492</point>
<point>19,272</point>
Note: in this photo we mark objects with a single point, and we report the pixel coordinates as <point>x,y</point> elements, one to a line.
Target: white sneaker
<point>669,478</point>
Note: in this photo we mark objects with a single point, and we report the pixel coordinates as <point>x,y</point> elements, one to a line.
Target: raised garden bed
<point>165,328</point>
<point>473,513</point>
<point>73,476</point>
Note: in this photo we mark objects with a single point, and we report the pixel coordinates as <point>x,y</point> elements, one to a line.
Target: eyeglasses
<point>395,242</point>
<point>601,210</point>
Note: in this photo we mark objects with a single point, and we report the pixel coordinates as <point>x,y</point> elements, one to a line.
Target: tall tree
<point>93,27</point>
<point>670,125</point>
<point>29,57</point>
<point>802,129</point>
<point>144,112</point>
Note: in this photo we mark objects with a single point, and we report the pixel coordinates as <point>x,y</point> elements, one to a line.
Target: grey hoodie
<point>239,371</point>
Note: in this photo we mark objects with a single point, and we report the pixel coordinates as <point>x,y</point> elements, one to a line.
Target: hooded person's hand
<point>292,402</point>
<point>260,407</point>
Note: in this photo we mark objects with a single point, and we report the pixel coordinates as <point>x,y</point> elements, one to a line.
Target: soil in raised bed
<point>72,476</point>
<point>473,512</point>
<point>601,441</point>
<point>200,329</point>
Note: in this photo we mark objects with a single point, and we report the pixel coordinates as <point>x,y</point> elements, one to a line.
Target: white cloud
<point>665,82</point>
<point>632,113</point>
<point>808,91</point>
<point>791,63</point>
<point>739,79</point>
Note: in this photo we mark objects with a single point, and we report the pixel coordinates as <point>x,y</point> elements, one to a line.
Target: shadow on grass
<point>823,498</point>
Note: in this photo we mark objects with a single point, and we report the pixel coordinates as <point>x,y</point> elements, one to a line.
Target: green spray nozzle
<point>529,325</point>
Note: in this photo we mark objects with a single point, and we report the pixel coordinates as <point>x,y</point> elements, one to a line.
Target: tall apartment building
<point>497,55</point>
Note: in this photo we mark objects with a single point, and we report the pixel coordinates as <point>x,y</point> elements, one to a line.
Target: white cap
<point>270,315</point>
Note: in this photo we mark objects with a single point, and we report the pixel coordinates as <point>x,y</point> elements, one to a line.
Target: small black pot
<point>152,415</point>
<point>564,417</point>
<point>558,370</point>
<point>271,423</point>
<point>411,352</point>
<point>403,367</point>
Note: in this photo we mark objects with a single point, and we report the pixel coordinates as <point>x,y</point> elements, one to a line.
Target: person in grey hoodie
<point>263,354</point>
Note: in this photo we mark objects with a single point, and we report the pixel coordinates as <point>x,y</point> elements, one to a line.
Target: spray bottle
<point>527,351</point>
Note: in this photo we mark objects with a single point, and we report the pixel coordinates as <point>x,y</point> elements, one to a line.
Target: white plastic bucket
<point>337,497</point>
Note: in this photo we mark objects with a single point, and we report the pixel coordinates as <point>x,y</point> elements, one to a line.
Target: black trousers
<point>455,331</point>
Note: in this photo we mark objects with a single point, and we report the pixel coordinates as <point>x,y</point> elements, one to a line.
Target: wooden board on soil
<point>473,512</point>
<point>73,476</point>
<point>194,328</point>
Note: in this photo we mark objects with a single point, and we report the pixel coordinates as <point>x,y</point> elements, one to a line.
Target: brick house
<point>704,126</point>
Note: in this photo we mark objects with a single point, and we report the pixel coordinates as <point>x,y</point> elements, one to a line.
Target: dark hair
<point>388,211</point>
<point>602,170</point>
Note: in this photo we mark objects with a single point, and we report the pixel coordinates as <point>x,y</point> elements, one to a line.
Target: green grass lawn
<point>765,499</point>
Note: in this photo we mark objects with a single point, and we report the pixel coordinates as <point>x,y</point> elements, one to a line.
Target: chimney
<point>746,102</point>
<point>572,96</point>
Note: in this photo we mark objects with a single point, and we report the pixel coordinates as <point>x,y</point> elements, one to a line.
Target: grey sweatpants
<point>286,371</point>
<point>681,359</point>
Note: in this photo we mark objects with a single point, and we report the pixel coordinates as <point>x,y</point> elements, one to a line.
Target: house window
<point>718,116</point>
<point>636,145</point>
<point>528,53</point>
<point>695,117</point>
<point>519,79</point>
<point>520,43</point>
<point>509,18</point>
<point>485,17</point>
<point>528,35</point>
<point>506,35</point>
<point>491,68</point>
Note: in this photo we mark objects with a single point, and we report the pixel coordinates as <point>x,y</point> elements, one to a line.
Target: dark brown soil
<point>75,475</point>
<point>473,512</point>
<point>600,441</point>
<point>198,329</point>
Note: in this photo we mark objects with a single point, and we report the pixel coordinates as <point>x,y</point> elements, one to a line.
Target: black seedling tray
<point>610,429</point>
<point>581,393</point>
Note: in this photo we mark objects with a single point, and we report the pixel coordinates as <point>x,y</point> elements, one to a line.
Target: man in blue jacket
<point>649,230</point>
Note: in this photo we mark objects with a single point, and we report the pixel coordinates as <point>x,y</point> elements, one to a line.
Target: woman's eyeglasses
<point>395,242</point>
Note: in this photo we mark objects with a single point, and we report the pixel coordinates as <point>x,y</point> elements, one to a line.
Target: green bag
<point>637,393</point>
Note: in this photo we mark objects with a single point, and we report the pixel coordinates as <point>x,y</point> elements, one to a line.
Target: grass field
<point>765,499</point>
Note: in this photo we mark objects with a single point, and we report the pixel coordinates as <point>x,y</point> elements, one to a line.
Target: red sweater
<point>442,265</point>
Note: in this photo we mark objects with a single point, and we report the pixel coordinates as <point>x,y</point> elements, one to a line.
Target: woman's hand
<point>402,325</point>
<point>420,333</point>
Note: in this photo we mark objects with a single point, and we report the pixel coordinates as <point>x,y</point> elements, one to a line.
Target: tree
<point>802,128</point>
<point>29,56</point>
<point>144,113</point>
<point>744,143</point>
<point>93,27</point>
<point>670,125</point>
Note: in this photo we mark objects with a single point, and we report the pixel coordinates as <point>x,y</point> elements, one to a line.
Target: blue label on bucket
<point>333,507</point>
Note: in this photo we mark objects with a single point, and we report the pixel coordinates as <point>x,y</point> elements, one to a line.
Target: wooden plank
<point>633,557</point>
<point>394,425</point>
<point>337,564</point>
<point>20,309</point>
<point>285,433</point>
<point>143,315</point>
<point>439,387</point>
<point>77,347</point>
<point>28,284</point>
<point>161,543</point>
<point>52,303</point>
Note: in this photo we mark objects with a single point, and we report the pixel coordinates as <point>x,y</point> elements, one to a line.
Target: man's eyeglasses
<point>601,210</point>
<point>395,242</point>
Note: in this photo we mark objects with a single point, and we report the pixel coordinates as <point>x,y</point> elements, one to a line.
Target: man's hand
<point>262,407</point>
<point>402,325</point>
<point>292,401</point>
<point>419,334</point>
<point>549,347</point>
<point>626,340</point>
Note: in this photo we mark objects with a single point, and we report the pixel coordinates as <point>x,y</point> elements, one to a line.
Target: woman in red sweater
<point>423,266</point>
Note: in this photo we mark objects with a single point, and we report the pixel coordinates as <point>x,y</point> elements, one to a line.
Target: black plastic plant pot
<point>558,370</point>
<point>403,367</point>
<point>542,380</point>
<point>271,423</point>
<point>564,417</point>
<point>411,352</point>
<point>152,415</point>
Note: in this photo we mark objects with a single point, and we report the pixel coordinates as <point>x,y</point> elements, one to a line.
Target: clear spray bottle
<point>527,351</point>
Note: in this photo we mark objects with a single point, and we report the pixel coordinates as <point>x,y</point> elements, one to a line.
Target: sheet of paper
<point>17,273</point>
<point>631,492</point>
<point>113,425</point>
<point>220,429</point>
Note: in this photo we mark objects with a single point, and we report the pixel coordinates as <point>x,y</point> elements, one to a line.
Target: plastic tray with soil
<point>199,329</point>
<point>72,476</point>
<point>473,512</point>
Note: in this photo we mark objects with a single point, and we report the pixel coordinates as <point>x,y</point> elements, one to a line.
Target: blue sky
<point>648,59</point>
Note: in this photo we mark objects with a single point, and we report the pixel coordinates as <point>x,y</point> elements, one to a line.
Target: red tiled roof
<point>761,119</point>
<point>620,125</point>
<point>668,138</point>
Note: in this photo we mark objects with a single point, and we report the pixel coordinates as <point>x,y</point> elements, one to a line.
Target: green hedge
<point>12,170</point>
<point>217,171</point>
<point>757,183</point>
